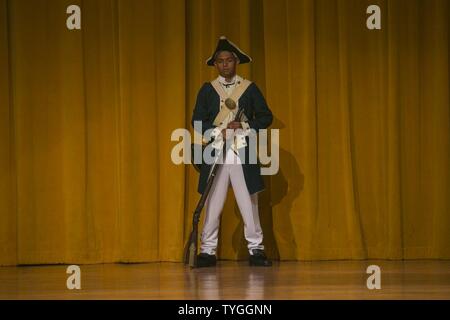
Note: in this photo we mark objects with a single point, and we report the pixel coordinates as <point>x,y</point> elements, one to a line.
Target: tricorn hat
<point>226,45</point>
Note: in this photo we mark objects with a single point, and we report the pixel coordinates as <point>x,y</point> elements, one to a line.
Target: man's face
<point>226,64</point>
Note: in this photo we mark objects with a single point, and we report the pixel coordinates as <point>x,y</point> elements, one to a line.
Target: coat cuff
<point>216,132</point>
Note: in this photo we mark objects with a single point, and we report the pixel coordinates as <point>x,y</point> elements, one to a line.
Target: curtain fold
<point>86,118</point>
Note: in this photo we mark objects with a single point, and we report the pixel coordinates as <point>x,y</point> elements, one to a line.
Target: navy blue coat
<point>259,117</point>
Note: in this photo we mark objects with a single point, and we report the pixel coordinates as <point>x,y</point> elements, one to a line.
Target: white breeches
<point>248,206</point>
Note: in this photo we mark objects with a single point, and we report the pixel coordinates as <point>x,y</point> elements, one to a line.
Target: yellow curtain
<point>86,118</point>
<point>365,144</point>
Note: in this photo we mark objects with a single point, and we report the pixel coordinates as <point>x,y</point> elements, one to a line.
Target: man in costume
<point>213,110</point>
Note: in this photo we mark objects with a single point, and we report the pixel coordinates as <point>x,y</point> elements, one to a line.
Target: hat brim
<point>225,45</point>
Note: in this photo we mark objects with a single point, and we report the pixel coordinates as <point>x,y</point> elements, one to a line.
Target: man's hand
<point>231,127</point>
<point>234,125</point>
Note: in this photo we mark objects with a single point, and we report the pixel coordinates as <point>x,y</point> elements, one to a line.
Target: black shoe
<point>258,258</point>
<point>206,260</point>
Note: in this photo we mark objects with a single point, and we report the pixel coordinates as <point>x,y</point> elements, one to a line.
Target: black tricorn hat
<point>226,45</point>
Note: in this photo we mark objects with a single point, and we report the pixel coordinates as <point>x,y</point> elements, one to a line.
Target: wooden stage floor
<point>424,279</point>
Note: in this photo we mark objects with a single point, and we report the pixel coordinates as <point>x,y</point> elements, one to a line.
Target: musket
<point>190,251</point>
